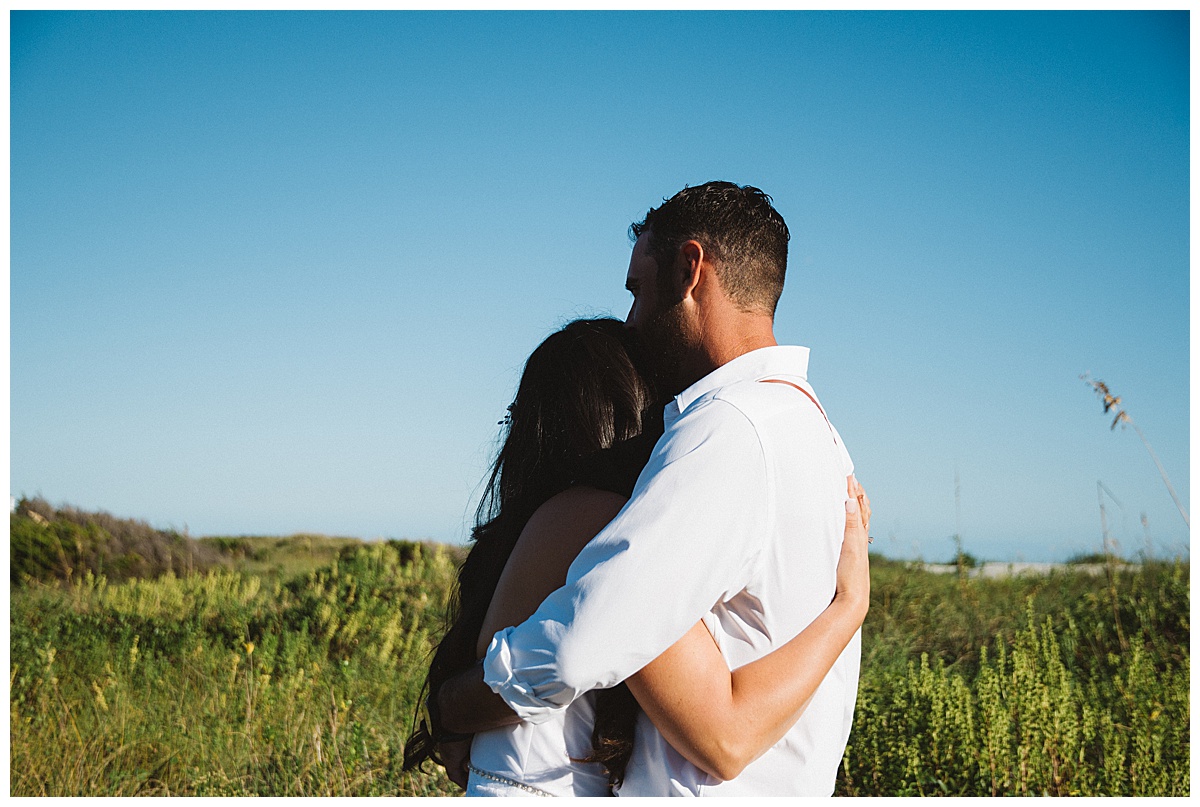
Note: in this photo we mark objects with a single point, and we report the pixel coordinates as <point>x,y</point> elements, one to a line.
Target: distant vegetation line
<point>64,543</point>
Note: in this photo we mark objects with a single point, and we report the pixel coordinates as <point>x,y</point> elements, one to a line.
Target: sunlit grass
<point>1082,689</point>
<point>256,681</point>
<point>221,685</point>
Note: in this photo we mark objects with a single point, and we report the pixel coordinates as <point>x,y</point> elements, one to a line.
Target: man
<point>736,519</point>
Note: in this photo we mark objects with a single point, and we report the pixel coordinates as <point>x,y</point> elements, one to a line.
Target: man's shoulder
<point>770,414</point>
<point>711,424</point>
<point>722,407</point>
<point>743,405</point>
<point>755,400</point>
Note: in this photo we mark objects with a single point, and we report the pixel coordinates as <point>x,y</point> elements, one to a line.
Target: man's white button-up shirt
<point>736,519</point>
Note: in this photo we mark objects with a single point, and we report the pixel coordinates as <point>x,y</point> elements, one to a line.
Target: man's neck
<point>730,350</point>
<point>722,345</point>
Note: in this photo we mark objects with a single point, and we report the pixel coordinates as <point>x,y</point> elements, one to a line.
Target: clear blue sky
<point>278,272</point>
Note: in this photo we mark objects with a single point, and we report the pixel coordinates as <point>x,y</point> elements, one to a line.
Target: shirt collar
<point>791,360</point>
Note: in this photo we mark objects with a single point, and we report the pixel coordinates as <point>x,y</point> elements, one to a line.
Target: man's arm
<point>687,539</point>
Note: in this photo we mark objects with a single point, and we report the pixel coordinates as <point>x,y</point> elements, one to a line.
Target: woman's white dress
<point>529,759</point>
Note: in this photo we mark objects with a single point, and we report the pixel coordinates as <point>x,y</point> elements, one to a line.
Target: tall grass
<point>232,683</point>
<point>1086,692</point>
<point>216,685</point>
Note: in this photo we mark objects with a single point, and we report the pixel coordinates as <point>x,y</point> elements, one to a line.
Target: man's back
<point>790,582</point>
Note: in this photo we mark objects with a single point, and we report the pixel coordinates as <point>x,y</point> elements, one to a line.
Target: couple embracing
<point>669,568</point>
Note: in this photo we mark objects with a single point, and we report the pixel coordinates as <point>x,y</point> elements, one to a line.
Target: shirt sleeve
<point>687,539</point>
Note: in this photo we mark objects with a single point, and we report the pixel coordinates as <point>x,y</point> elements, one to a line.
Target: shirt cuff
<point>499,674</point>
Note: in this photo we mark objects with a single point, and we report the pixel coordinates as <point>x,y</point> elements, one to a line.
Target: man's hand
<point>468,705</point>
<point>455,756</point>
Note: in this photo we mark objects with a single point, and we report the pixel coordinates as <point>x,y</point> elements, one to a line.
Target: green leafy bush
<point>1086,694</point>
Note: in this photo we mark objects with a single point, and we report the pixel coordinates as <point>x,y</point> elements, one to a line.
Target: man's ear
<point>688,261</point>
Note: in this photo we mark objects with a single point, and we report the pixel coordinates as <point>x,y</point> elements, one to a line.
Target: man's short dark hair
<point>743,235</point>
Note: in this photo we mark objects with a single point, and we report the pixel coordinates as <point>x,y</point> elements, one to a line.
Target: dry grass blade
<point>1122,417</point>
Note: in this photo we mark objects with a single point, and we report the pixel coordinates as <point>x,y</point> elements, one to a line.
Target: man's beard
<point>667,339</point>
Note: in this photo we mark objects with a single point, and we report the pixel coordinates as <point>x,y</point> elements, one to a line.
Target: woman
<point>582,426</point>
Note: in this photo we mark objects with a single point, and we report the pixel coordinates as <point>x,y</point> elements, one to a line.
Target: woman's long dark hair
<point>581,392</point>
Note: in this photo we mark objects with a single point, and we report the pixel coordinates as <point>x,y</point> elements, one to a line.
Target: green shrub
<point>217,684</point>
<point>1059,703</point>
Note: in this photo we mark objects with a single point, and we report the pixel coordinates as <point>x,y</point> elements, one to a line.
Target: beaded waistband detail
<point>506,781</point>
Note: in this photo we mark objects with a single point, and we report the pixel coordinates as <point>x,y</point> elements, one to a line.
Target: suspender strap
<point>807,395</point>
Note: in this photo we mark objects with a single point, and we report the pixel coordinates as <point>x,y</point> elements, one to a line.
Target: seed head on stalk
<point>1113,402</point>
